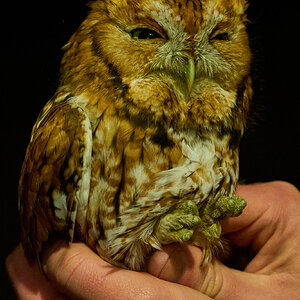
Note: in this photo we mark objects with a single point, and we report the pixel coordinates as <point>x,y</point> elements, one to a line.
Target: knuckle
<point>284,200</point>
<point>287,191</point>
<point>286,187</point>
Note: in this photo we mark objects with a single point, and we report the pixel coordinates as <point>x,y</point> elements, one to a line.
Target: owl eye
<point>221,36</point>
<point>145,34</point>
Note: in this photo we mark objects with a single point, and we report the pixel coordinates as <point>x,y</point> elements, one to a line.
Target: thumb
<point>182,264</point>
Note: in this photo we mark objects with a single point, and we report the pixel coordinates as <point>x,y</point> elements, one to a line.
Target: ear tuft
<point>241,6</point>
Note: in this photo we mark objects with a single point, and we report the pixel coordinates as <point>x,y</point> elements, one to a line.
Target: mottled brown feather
<point>52,163</point>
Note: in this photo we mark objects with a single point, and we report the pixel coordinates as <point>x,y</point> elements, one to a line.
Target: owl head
<point>179,63</point>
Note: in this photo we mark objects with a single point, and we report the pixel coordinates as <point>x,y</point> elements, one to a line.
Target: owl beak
<point>190,74</point>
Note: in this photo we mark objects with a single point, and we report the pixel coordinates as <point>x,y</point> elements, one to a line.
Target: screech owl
<point>139,146</point>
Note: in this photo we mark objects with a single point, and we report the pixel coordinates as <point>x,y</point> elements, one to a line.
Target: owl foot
<point>227,207</point>
<point>214,211</point>
<point>178,225</point>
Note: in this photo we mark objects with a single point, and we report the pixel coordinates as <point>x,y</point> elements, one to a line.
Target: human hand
<point>76,272</point>
<point>270,224</point>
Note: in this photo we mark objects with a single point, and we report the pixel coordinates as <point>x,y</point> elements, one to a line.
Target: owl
<point>138,148</point>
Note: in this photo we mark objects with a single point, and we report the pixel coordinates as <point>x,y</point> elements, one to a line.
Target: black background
<point>33,33</point>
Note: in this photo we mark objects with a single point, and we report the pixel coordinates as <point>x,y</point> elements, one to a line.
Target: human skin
<point>269,225</point>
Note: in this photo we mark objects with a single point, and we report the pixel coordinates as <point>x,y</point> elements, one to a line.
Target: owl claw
<point>226,207</point>
<point>182,235</point>
<point>232,206</point>
<point>178,225</point>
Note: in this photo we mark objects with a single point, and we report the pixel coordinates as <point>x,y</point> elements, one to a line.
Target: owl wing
<point>55,177</point>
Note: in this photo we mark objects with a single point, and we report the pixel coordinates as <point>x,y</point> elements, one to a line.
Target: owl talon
<point>206,257</point>
<point>180,236</point>
<point>178,225</point>
<point>211,231</point>
<point>229,207</point>
<point>225,207</point>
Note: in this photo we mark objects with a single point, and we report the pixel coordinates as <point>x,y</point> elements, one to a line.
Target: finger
<point>28,281</point>
<point>182,264</point>
<point>176,264</point>
<point>81,274</point>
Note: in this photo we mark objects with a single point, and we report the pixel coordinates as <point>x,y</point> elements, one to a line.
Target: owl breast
<point>138,173</point>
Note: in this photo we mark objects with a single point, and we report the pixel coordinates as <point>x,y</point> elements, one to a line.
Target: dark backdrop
<point>33,33</point>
